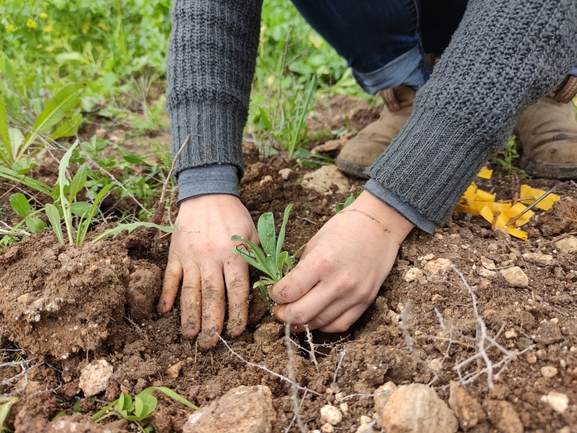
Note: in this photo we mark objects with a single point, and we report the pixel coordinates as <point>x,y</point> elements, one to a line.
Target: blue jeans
<point>385,41</point>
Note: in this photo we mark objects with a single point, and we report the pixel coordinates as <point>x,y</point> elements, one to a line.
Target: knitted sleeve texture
<point>211,63</point>
<point>503,57</point>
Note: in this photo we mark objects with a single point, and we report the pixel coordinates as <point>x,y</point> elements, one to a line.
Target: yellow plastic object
<point>545,204</point>
<point>515,211</point>
<point>481,195</point>
<point>485,173</point>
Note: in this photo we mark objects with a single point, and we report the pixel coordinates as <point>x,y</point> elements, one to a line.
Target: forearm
<point>503,57</point>
<point>212,55</point>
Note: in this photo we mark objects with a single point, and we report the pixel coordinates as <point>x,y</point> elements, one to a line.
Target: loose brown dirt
<point>62,307</point>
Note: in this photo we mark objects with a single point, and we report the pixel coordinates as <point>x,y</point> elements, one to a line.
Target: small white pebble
<point>331,414</point>
<point>327,428</point>
<point>558,401</point>
<point>548,371</point>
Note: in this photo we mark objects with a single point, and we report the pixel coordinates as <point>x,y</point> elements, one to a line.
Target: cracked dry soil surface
<point>67,306</point>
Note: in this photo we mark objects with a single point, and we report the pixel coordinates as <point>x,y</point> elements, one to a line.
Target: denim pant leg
<point>382,39</point>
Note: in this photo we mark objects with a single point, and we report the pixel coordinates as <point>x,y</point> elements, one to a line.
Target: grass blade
<point>130,228</point>
<point>282,231</point>
<point>54,217</point>
<point>10,174</point>
<point>267,233</point>
<point>6,152</point>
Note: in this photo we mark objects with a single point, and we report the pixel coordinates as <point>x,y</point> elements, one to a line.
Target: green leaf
<point>81,209</point>
<point>16,139</point>
<point>23,166</point>
<point>6,404</point>
<point>85,224</point>
<point>130,228</point>
<point>78,181</point>
<point>170,393</point>
<point>133,159</point>
<point>8,70</point>
<point>20,204</point>
<point>282,231</point>
<point>10,174</point>
<point>54,217</point>
<point>36,225</point>
<point>69,128</point>
<point>70,56</point>
<point>264,118</point>
<point>57,107</point>
<point>267,233</point>
<point>4,132</point>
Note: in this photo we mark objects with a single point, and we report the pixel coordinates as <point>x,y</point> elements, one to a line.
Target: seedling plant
<point>271,260</point>
<point>141,408</point>
<point>6,404</point>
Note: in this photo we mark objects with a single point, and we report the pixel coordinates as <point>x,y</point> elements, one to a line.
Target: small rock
<point>417,408</point>
<point>413,274</point>
<point>510,334</point>
<point>344,407</point>
<point>285,173</point>
<point>567,245</point>
<point>435,364</point>
<point>100,133</point>
<point>515,277</point>
<point>439,266</point>
<point>94,377</point>
<point>428,257</point>
<point>174,370</point>
<point>245,409</point>
<point>538,259</point>
<point>548,371</point>
<point>503,416</point>
<point>330,146</point>
<point>558,401</point>
<point>331,414</point>
<point>143,289</point>
<point>531,358</point>
<point>327,428</point>
<point>467,409</point>
<point>382,395</point>
<point>366,425</point>
<point>325,179</point>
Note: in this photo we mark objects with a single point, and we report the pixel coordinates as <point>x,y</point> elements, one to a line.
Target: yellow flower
<point>43,15</point>
<point>47,29</point>
<point>85,28</point>
<point>102,26</point>
<point>10,28</point>
<point>31,24</point>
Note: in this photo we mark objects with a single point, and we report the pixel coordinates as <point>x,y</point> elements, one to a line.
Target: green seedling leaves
<point>69,128</point>
<point>54,217</point>
<point>20,204</point>
<point>35,224</point>
<point>270,259</point>
<point>130,228</point>
<point>6,404</point>
<point>57,107</point>
<point>143,406</point>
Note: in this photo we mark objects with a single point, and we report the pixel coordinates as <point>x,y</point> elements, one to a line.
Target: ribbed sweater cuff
<point>215,134</point>
<point>406,210</point>
<point>212,179</point>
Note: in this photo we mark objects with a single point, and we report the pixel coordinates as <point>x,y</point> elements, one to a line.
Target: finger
<point>213,304</point>
<point>323,304</point>
<point>296,283</point>
<point>238,290</point>
<point>190,302</point>
<point>171,283</point>
<point>345,320</point>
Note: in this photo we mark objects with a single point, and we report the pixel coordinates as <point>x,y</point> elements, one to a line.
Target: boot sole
<point>549,171</point>
<point>351,168</point>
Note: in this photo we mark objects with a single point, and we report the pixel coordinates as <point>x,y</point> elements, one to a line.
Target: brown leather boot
<point>364,148</point>
<point>547,131</point>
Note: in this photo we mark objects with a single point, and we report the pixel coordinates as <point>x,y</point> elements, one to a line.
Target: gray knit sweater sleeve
<point>211,62</point>
<point>503,57</point>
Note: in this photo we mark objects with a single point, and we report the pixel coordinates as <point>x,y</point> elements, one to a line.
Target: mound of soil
<point>64,307</point>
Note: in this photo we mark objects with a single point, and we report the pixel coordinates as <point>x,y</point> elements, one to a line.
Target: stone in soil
<point>416,408</point>
<point>94,377</point>
<point>245,409</point>
<point>467,409</point>
<point>503,416</point>
<point>515,277</point>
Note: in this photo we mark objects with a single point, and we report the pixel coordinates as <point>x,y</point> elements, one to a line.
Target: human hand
<point>342,267</point>
<point>199,256</point>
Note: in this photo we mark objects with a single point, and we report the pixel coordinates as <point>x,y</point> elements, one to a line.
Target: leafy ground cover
<point>63,306</point>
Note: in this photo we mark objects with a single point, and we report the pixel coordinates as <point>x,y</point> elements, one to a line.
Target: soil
<point>62,307</point>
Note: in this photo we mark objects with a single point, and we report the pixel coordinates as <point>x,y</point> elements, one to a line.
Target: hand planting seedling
<point>270,259</point>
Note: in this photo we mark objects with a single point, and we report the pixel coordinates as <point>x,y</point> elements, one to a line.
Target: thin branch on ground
<point>292,377</point>
<point>261,367</point>
<point>312,356</point>
<point>484,342</point>
<point>339,364</point>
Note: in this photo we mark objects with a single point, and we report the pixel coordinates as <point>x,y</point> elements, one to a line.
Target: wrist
<point>384,214</point>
